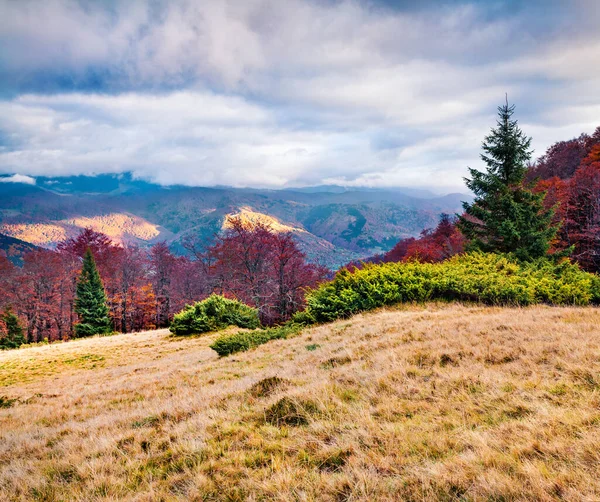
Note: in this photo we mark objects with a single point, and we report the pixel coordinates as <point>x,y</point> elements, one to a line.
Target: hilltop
<point>434,402</point>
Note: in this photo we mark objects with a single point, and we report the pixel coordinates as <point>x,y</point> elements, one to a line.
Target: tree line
<point>546,210</point>
<point>143,288</point>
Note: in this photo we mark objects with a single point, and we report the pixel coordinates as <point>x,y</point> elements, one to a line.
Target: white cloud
<point>268,93</point>
<point>18,178</point>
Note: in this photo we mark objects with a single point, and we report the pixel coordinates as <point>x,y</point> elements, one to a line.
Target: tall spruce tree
<point>13,338</point>
<point>506,216</point>
<point>90,303</point>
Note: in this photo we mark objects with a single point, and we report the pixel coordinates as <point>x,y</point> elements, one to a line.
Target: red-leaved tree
<point>433,246</point>
<point>262,268</point>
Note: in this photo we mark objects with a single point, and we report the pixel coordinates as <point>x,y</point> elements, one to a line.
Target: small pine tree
<point>90,303</point>
<point>506,216</point>
<point>14,332</point>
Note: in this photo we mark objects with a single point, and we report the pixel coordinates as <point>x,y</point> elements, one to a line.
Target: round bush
<point>213,314</point>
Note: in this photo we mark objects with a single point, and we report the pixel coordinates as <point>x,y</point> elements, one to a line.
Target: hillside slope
<point>333,227</point>
<point>14,249</point>
<point>424,403</point>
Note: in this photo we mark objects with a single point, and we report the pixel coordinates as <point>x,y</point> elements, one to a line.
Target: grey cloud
<point>270,93</point>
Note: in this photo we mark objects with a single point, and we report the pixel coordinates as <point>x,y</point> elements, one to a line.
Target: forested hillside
<point>331,227</point>
<point>15,249</point>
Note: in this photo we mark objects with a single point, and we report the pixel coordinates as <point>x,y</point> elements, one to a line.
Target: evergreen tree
<point>90,303</point>
<point>14,332</point>
<point>506,216</point>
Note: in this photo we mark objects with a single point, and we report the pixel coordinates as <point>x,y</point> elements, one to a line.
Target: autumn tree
<point>436,245</point>
<point>262,268</point>
<point>190,282</point>
<point>582,213</point>
<point>241,262</point>
<point>98,243</point>
<point>43,293</point>
<point>132,277</point>
<point>162,265</point>
<point>292,275</point>
<point>7,275</point>
<point>433,245</point>
<point>90,304</point>
<point>575,195</point>
<point>562,159</point>
<point>506,215</point>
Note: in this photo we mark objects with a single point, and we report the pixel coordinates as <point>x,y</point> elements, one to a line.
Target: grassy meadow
<point>434,402</point>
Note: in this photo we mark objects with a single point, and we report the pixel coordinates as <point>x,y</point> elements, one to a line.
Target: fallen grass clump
<point>475,277</point>
<point>291,411</point>
<point>331,460</point>
<point>245,340</point>
<point>213,314</point>
<point>268,386</point>
<point>335,361</point>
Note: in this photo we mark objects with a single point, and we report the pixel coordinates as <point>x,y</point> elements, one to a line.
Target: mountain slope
<point>120,227</point>
<point>334,227</point>
<point>425,403</point>
<point>14,249</point>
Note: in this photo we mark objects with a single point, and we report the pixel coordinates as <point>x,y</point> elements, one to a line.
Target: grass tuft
<point>290,411</point>
<point>268,386</point>
<point>6,402</point>
<point>335,361</point>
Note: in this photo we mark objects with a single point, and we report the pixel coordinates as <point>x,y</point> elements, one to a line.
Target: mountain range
<point>332,224</point>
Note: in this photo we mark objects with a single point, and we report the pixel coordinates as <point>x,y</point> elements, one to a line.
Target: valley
<point>332,227</point>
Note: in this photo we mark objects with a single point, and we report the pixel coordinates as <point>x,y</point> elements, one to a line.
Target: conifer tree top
<point>506,216</point>
<point>506,149</point>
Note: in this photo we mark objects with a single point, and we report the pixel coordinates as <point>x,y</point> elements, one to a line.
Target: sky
<point>271,93</point>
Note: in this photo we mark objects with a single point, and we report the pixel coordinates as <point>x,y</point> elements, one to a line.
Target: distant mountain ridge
<point>332,224</point>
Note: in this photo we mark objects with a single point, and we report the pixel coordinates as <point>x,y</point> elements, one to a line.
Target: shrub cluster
<point>245,340</point>
<point>212,314</point>
<point>11,331</point>
<point>487,278</point>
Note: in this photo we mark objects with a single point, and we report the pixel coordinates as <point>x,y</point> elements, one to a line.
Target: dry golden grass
<point>425,403</point>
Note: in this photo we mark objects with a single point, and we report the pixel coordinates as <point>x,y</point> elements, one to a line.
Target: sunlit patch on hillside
<point>319,249</point>
<point>120,227</point>
<point>252,218</point>
<point>40,234</point>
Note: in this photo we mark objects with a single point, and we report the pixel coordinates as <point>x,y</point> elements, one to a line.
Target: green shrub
<point>303,318</point>
<point>486,278</point>
<point>212,314</point>
<point>13,337</point>
<point>245,340</point>
<point>6,402</point>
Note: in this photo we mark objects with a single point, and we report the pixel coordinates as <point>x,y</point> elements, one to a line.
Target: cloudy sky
<point>275,93</point>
